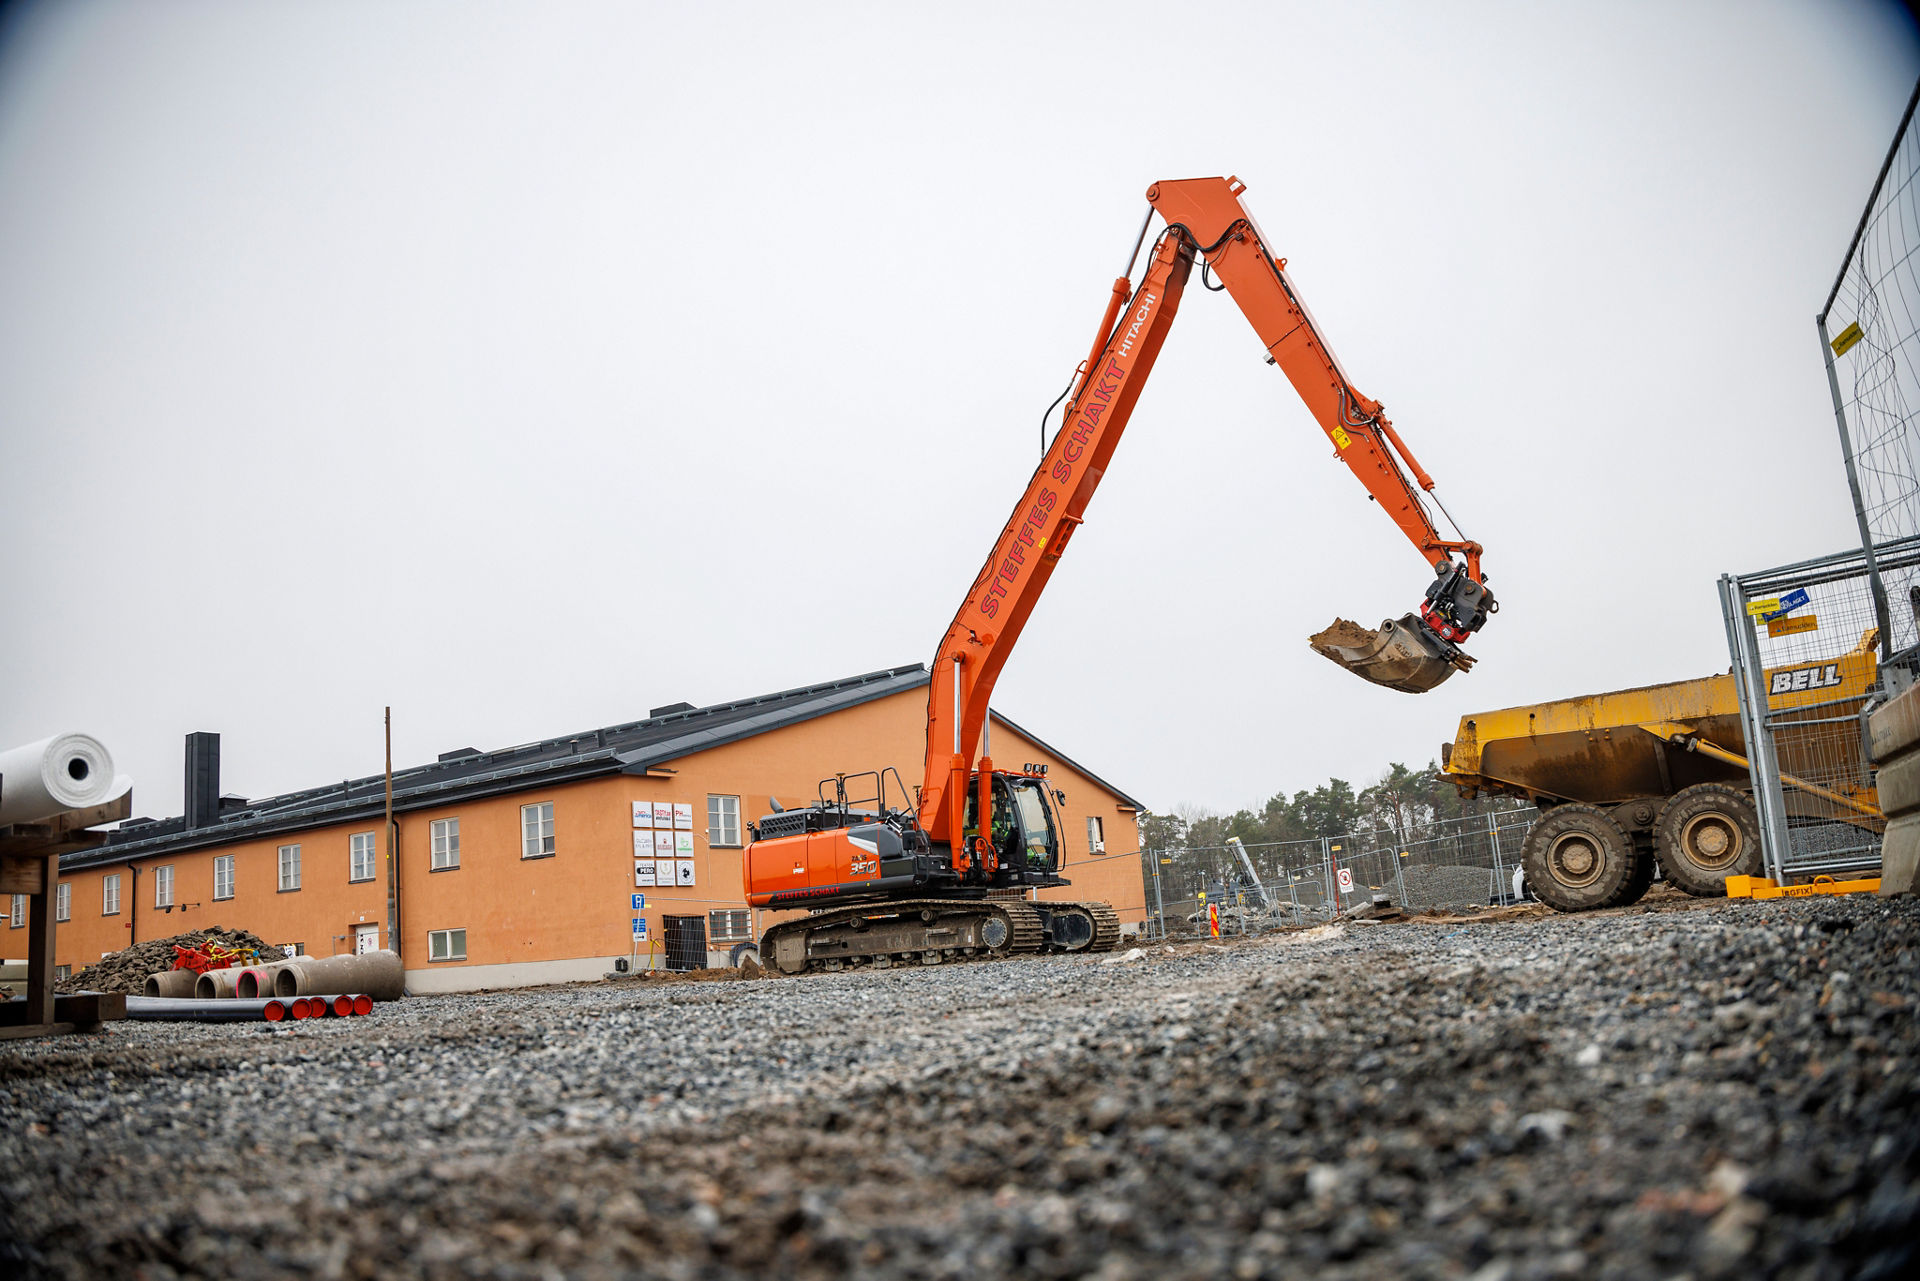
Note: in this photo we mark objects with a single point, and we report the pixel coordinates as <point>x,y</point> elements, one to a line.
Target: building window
<point>223,876</point>
<point>729,927</point>
<point>289,867</point>
<point>62,972</point>
<point>447,945</point>
<point>723,820</point>
<point>63,902</point>
<point>110,895</point>
<point>1096,835</point>
<point>446,843</point>
<point>360,857</point>
<point>536,830</point>
<point>163,886</point>
<point>18,916</point>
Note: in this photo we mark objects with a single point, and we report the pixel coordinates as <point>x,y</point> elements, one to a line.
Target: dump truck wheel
<point>1577,859</point>
<point>1640,878</point>
<point>1706,834</point>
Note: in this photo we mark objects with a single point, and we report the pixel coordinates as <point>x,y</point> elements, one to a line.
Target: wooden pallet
<point>30,864</point>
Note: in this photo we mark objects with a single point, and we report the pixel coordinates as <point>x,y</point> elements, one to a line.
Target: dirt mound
<point>127,970</point>
<point>1343,633</point>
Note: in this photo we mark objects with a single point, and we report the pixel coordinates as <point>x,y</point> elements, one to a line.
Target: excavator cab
<point>1026,831</point>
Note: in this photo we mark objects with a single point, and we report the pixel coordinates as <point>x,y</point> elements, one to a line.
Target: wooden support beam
<point>81,1009</point>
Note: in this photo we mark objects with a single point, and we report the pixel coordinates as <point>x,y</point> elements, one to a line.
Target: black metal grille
<point>686,942</point>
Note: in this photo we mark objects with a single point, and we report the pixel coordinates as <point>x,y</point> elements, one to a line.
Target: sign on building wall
<point>663,814</point>
<point>663,844</point>
<point>683,844</point>
<point>684,869</point>
<point>643,844</point>
<point>643,813</point>
<point>683,816</point>
<point>643,872</point>
<point>663,871</point>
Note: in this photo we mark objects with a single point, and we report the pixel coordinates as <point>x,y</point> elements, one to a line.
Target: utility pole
<point>393,863</point>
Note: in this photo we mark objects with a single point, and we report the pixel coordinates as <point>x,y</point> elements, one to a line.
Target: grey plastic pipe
<point>172,984</point>
<point>216,985</point>
<point>270,1009</point>
<point>377,974</point>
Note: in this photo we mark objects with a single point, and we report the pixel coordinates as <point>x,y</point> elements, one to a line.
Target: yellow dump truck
<point>1659,773</point>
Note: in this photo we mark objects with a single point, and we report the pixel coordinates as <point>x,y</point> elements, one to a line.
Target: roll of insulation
<point>65,772</point>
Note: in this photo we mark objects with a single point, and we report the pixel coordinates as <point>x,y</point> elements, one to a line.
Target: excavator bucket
<point>1404,654</point>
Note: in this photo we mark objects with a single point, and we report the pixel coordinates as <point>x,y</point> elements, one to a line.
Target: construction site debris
<point>1342,632</point>
<point>127,970</point>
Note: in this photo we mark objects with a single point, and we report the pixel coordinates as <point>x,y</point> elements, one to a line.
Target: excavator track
<point>1106,925</point>
<point>924,932</point>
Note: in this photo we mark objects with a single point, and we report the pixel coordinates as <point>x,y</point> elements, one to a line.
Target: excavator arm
<point>1204,219</point>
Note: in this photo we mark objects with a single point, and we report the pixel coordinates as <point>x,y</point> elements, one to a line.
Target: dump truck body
<point>1660,772</point>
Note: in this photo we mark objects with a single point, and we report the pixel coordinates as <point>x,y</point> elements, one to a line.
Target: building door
<point>366,938</point>
<point>686,942</point>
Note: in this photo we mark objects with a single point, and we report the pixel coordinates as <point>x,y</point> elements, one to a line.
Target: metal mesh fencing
<point>1455,864</point>
<point>1870,338</point>
<point>1810,665</point>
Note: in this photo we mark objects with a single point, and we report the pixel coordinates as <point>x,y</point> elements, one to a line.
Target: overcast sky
<point>526,366</point>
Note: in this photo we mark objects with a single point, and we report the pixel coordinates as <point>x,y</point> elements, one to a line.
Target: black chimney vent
<point>203,780</point>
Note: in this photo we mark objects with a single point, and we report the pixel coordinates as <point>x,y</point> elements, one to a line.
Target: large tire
<point>1705,834</point>
<point>1578,859</point>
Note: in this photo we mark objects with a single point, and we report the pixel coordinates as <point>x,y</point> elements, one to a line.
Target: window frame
<point>1096,835</point>
<point>280,862</point>
<point>540,832</point>
<point>446,937</point>
<point>110,904</point>
<point>353,853</point>
<point>223,863</point>
<point>716,807</point>
<point>63,901</point>
<point>729,938</point>
<point>17,912</point>
<point>443,844</point>
<point>163,885</point>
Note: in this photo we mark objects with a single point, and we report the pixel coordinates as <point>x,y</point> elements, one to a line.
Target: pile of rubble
<point>127,970</point>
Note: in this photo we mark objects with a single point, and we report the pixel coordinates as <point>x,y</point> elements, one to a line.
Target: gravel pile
<point>127,969</point>
<point>1725,1092</point>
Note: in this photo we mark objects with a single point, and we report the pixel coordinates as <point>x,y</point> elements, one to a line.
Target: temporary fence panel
<point>1806,688</point>
<point>1452,863</point>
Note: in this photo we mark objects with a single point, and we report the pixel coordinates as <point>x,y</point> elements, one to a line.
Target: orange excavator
<point>890,878</point>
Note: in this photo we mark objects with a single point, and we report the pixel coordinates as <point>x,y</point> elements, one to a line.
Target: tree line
<point>1408,803</point>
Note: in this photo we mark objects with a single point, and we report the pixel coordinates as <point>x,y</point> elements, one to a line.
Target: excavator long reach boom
<point>1204,218</point>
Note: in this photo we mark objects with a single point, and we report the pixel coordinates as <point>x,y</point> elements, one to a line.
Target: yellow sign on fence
<point>1771,605</point>
<point>1848,337</point>
<point>1793,625</point>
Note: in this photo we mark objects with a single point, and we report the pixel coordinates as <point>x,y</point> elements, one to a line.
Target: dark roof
<point>632,748</point>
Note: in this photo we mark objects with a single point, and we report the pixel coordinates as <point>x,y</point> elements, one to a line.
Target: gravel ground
<point>1723,1092</point>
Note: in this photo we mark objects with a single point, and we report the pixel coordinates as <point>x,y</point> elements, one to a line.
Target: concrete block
<point>1898,781</point>
<point>1900,857</point>
<point>1896,727</point>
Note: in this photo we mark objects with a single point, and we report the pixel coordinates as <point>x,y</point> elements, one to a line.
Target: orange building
<point>521,865</point>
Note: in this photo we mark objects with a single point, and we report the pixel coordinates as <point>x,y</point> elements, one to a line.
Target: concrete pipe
<point>216,985</point>
<point>198,1011</point>
<point>377,974</point>
<point>257,980</point>
<point>172,984</point>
